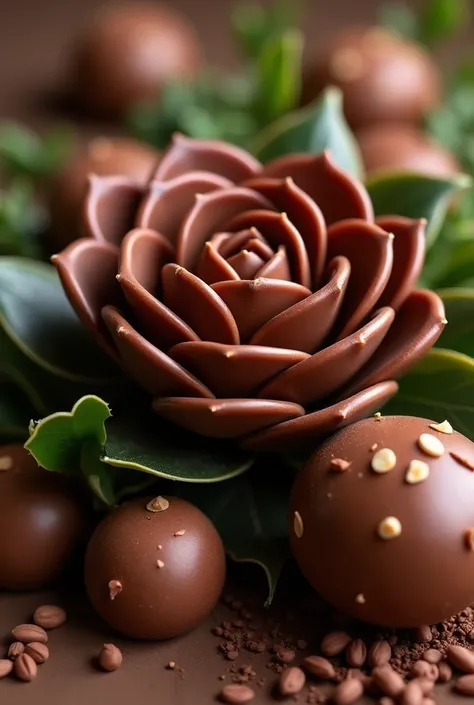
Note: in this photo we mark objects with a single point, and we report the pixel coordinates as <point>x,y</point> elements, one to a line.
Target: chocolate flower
<point>261,303</point>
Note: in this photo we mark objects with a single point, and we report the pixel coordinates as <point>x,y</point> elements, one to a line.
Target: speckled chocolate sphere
<point>127,53</point>
<point>383,77</point>
<point>104,156</point>
<point>155,574</point>
<point>42,522</point>
<point>393,545</point>
<point>389,147</point>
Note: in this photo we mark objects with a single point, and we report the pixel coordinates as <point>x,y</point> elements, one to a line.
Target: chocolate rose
<point>261,303</point>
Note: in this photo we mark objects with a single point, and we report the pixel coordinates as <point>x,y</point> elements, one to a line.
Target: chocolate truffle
<point>42,521</point>
<point>103,156</point>
<point>127,53</point>
<point>391,147</point>
<point>388,535</point>
<point>383,77</point>
<point>155,568</point>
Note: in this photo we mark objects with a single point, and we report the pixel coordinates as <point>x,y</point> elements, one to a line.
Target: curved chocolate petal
<point>278,230</point>
<point>251,239</point>
<point>303,212</point>
<point>302,433</point>
<point>143,255</point>
<point>212,267</point>
<point>277,267</point>
<point>252,303</point>
<point>369,249</point>
<point>225,418</point>
<point>234,370</point>
<point>246,264</point>
<point>166,203</point>
<point>211,214</point>
<point>326,371</point>
<point>337,194</point>
<point>197,304</point>
<point>146,364</point>
<point>306,324</point>
<point>186,154</point>
<point>408,257</point>
<point>87,270</point>
<point>418,325</point>
<point>110,207</point>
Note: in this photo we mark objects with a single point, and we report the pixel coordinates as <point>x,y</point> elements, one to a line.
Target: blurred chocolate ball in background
<point>127,53</point>
<point>383,77</point>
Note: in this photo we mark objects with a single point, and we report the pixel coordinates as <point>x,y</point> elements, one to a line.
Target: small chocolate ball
<point>155,568</point>
<point>104,156</point>
<point>383,77</point>
<point>382,521</point>
<point>126,55</point>
<point>389,147</point>
<point>42,522</point>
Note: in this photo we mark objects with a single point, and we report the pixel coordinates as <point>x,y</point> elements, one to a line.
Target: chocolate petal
<point>337,194</point>
<point>186,154</point>
<point>417,326</point>
<point>260,247</point>
<point>225,418</point>
<point>277,267</point>
<point>198,305</point>
<point>408,256</point>
<point>143,255</point>
<point>248,239</point>
<point>166,204</point>
<point>300,434</point>
<point>306,324</point>
<point>212,267</point>
<point>110,207</point>
<point>326,371</point>
<point>303,212</point>
<point>253,303</point>
<point>278,230</point>
<point>369,249</point>
<point>234,371</point>
<point>246,264</point>
<point>88,270</point>
<point>211,214</point>
<point>146,364</point>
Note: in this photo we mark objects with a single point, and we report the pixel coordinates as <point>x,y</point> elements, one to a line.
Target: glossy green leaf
<point>313,129</point>
<point>37,317</point>
<point>459,333</point>
<point>416,196</point>
<point>440,19</point>
<point>458,270</point>
<point>15,412</point>
<point>440,387</point>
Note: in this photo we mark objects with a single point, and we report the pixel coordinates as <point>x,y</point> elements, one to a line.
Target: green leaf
<point>15,412</point>
<point>399,17</point>
<point>441,19</point>
<point>20,149</point>
<point>253,24</point>
<point>416,196</point>
<point>458,268</point>
<point>440,387</point>
<point>459,333</point>
<point>37,317</point>
<point>279,74</point>
<point>313,129</point>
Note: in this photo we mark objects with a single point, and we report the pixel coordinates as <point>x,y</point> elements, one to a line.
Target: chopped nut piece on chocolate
<point>339,465</point>
<point>181,532</point>
<point>431,445</point>
<point>444,427</point>
<point>159,504</point>
<point>462,460</point>
<point>360,599</point>
<point>6,462</point>
<point>160,564</point>
<point>384,460</point>
<point>298,525</point>
<point>115,588</point>
<point>389,528</point>
<point>417,472</point>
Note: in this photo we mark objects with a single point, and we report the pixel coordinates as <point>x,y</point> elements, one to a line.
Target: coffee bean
<point>388,680</point>
<point>334,643</point>
<point>461,658</point>
<point>356,653</point>
<point>423,669</point>
<point>292,681</point>
<point>29,632</point>
<point>25,668</point>
<point>286,655</point>
<point>15,650</point>
<point>235,694</point>
<point>38,652</point>
<point>110,658</point>
<point>319,667</point>
<point>432,656</point>
<point>362,677</point>
<point>49,616</point>
<point>465,685</point>
<point>348,692</point>
<point>412,695</point>
<point>6,667</point>
<point>445,672</point>
<point>379,654</point>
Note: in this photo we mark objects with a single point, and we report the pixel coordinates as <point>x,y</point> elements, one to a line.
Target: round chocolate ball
<point>104,156</point>
<point>390,147</point>
<point>127,53</point>
<point>42,521</point>
<point>382,521</point>
<point>383,77</point>
<point>155,568</point>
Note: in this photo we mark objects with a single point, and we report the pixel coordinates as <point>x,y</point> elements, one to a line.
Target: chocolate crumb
<point>339,465</point>
<point>159,504</point>
<point>160,564</point>
<point>115,588</point>
<point>181,532</point>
